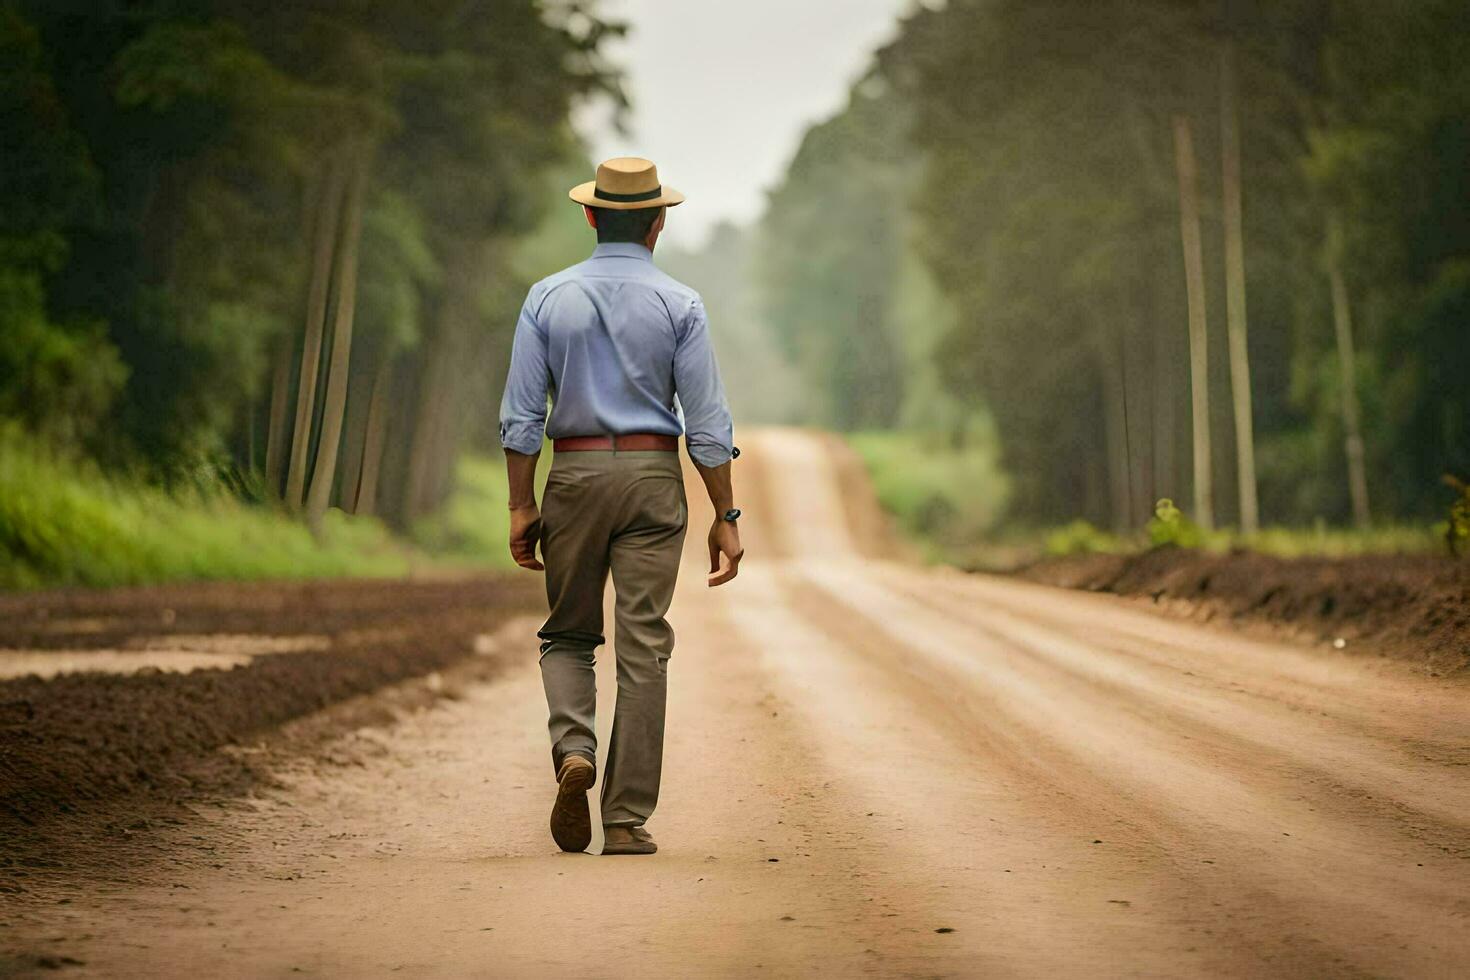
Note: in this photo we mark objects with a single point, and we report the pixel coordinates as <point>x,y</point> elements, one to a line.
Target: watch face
<point>733,514</point>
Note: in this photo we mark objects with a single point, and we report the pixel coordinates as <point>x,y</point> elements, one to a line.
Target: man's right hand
<point>525,533</point>
<point>724,540</point>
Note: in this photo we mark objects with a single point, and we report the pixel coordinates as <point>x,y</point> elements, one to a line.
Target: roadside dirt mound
<point>872,530</point>
<point>1414,608</point>
<point>83,754</point>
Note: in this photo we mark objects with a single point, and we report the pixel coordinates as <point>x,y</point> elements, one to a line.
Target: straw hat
<point>625,184</point>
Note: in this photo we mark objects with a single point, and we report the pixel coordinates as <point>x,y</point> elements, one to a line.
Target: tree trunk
<point>446,447</point>
<point>1240,370</point>
<point>1116,441</point>
<point>1194,281</point>
<point>335,401</point>
<point>1164,341</point>
<point>372,444</point>
<point>354,435</point>
<point>1342,321</point>
<point>252,409</point>
<point>445,366</point>
<point>425,424</point>
<point>1142,367</point>
<point>325,234</point>
<point>275,434</point>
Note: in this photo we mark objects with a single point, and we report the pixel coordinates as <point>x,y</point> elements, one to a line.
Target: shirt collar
<point>627,250</point>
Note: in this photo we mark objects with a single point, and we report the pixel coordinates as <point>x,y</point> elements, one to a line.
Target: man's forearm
<point>717,483</point>
<point>520,469</point>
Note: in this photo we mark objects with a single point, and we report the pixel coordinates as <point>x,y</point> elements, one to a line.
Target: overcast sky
<point>722,91</point>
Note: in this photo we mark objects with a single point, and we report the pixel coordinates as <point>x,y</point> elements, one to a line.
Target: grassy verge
<point>1321,541</point>
<point>471,530</point>
<point>948,500</point>
<point>63,522</point>
<point>944,497</point>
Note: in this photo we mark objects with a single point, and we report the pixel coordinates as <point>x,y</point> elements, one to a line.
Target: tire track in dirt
<point>960,826</point>
<point>1391,776</point>
<point>1318,856</point>
<point>1373,880</point>
<point>1380,698</point>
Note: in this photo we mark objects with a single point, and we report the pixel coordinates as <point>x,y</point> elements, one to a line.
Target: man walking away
<point>613,341</point>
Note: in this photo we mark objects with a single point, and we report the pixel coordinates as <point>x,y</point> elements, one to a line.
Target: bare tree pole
<point>431,401</point>
<point>335,399</point>
<point>1194,280</point>
<point>1165,438</point>
<point>366,501</point>
<point>325,226</point>
<point>1112,357</point>
<point>275,433</point>
<point>1342,321</point>
<point>354,437</point>
<point>278,440</point>
<point>431,444</point>
<point>1235,321</point>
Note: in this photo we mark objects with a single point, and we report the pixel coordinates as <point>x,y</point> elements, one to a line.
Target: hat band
<point>628,198</point>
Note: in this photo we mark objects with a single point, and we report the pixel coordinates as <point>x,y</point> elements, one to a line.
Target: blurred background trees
<point>1077,254</point>
<point>1027,154</point>
<point>267,238</point>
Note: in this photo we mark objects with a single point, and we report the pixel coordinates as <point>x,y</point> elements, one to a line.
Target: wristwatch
<point>732,515</point>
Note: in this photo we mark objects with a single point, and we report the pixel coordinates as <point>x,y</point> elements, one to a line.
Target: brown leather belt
<point>631,443</point>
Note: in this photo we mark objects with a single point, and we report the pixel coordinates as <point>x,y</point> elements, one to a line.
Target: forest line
<point>266,246</point>
<point>1215,252</point>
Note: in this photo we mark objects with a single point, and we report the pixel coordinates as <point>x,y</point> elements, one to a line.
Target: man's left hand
<point>724,543</point>
<point>525,532</point>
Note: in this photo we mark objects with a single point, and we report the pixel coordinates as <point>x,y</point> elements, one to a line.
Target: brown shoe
<point>627,840</point>
<point>571,820</point>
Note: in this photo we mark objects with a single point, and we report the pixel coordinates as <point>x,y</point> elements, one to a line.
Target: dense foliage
<point>272,237</point>
<point>1026,153</point>
<point>65,522</point>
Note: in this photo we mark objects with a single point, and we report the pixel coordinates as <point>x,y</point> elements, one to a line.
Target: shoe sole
<point>631,848</point>
<point>571,818</point>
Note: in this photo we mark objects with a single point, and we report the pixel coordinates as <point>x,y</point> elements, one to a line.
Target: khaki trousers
<point>624,513</point>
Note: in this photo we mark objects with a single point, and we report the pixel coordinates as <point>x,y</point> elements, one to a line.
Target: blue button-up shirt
<point>614,341</point>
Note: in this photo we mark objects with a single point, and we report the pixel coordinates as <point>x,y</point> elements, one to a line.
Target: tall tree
<point>828,262</point>
<point>1240,370</point>
<point>1194,281</point>
<point>216,257</point>
<point>325,471</point>
<point>1347,358</point>
<point>325,222</point>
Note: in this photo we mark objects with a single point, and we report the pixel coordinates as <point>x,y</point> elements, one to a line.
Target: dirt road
<point>872,769</point>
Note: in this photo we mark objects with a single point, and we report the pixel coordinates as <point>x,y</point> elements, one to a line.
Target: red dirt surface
<point>84,755</point>
<point>872,769</point>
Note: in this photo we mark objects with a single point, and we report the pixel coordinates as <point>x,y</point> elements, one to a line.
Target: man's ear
<point>655,229</point>
<point>591,216</point>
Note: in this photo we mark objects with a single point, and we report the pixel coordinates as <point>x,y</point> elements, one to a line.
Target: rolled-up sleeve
<point>523,407</point>
<point>708,429</point>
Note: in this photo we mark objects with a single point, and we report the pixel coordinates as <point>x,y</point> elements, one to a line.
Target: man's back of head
<point>624,226</point>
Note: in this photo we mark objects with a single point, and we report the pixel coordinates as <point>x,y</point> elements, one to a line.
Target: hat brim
<point>586,194</point>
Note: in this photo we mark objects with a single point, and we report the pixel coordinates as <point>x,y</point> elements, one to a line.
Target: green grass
<point>1334,542</point>
<point>948,501</point>
<point>1286,542</point>
<point>945,498</point>
<point>473,528</point>
<point>63,522</point>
